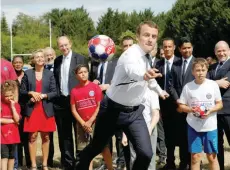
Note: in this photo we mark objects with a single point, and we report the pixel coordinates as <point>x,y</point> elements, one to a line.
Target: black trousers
<point>170,138</point>
<point>119,147</point>
<point>182,137</point>
<point>51,150</point>
<point>123,152</point>
<point>24,145</point>
<point>161,146</point>
<point>223,122</point>
<point>65,123</point>
<point>111,117</point>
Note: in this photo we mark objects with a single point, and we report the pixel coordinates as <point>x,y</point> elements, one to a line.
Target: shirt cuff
<point>153,85</point>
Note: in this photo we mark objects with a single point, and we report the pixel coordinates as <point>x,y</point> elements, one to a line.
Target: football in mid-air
<point>101,47</point>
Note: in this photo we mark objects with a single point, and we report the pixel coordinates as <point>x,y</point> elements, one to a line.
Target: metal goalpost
<point>11,42</point>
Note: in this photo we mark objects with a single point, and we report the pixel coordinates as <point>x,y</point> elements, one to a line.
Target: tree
<point>205,22</point>
<point>4,25</point>
<point>25,24</point>
<point>72,22</point>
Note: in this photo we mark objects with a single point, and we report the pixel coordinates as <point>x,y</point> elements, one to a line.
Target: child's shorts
<point>7,151</point>
<point>198,140</point>
<point>83,138</point>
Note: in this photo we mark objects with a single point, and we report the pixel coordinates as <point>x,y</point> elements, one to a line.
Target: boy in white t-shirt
<point>201,99</point>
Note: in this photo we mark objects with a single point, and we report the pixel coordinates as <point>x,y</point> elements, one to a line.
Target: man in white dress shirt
<point>121,107</point>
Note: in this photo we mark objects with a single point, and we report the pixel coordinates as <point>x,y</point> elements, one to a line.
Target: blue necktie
<point>184,70</point>
<point>167,77</point>
<point>149,60</point>
<point>101,72</point>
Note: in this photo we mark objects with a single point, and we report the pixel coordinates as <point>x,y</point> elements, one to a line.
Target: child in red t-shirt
<point>85,104</point>
<point>10,116</point>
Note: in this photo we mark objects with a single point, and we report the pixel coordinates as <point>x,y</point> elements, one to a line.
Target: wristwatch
<point>43,96</point>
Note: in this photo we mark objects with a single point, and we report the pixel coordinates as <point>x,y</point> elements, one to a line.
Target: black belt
<point>64,96</point>
<point>122,107</point>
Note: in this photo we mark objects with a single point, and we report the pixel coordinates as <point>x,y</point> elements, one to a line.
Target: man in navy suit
<point>181,75</point>
<point>165,126</point>
<point>64,66</point>
<point>220,72</point>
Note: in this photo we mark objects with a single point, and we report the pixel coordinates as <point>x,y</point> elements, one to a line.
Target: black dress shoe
<point>168,167</point>
<point>184,167</point>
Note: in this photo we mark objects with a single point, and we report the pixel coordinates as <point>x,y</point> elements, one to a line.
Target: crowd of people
<point>152,105</point>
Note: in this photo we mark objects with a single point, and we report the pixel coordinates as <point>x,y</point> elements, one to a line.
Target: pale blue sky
<point>95,7</point>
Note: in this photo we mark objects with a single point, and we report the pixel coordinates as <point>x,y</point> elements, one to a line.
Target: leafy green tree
<point>72,22</point>
<point>4,25</point>
<point>205,22</point>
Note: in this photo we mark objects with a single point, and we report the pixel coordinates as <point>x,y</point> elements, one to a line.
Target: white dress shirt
<point>170,66</point>
<point>128,85</point>
<point>65,74</point>
<point>188,61</point>
<point>170,63</point>
<point>104,70</point>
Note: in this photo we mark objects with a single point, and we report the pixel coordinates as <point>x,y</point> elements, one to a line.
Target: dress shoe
<point>168,167</point>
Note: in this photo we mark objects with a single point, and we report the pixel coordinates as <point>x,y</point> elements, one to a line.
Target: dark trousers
<point>223,127</point>
<point>119,147</point>
<point>182,130</point>
<point>170,138</point>
<point>111,117</point>
<point>161,147</point>
<point>123,152</point>
<point>169,121</point>
<point>65,123</point>
<point>51,150</point>
<point>24,136</point>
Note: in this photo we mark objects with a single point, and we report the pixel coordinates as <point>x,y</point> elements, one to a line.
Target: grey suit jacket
<point>48,87</point>
<point>224,71</point>
<point>75,60</point>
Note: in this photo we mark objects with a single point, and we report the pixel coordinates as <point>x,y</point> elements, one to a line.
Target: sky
<point>95,8</point>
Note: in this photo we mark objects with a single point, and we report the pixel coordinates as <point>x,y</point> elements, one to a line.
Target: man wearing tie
<point>166,127</point>
<point>220,72</point>
<point>121,107</point>
<point>102,75</point>
<point>64,66</point>
<point>181,75</point>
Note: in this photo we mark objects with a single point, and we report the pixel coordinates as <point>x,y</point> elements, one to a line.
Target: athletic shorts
<point>197,141</point>
<point>8,150</point>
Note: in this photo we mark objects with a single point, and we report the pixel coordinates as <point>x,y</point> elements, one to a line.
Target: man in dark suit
<point>166,127</point>
<point>220,72</point>
<point>64,66</point>
<point>181,75</point>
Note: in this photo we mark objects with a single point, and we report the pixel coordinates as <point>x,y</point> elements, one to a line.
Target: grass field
<point>97,160</point>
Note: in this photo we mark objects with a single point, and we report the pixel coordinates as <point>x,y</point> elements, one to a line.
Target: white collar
<point>69,55</point>
<point>188,59</point>
<point>170,60</point>
<point>140,49</point>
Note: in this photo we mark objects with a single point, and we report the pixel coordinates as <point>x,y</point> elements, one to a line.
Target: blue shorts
<point>199,140</point>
